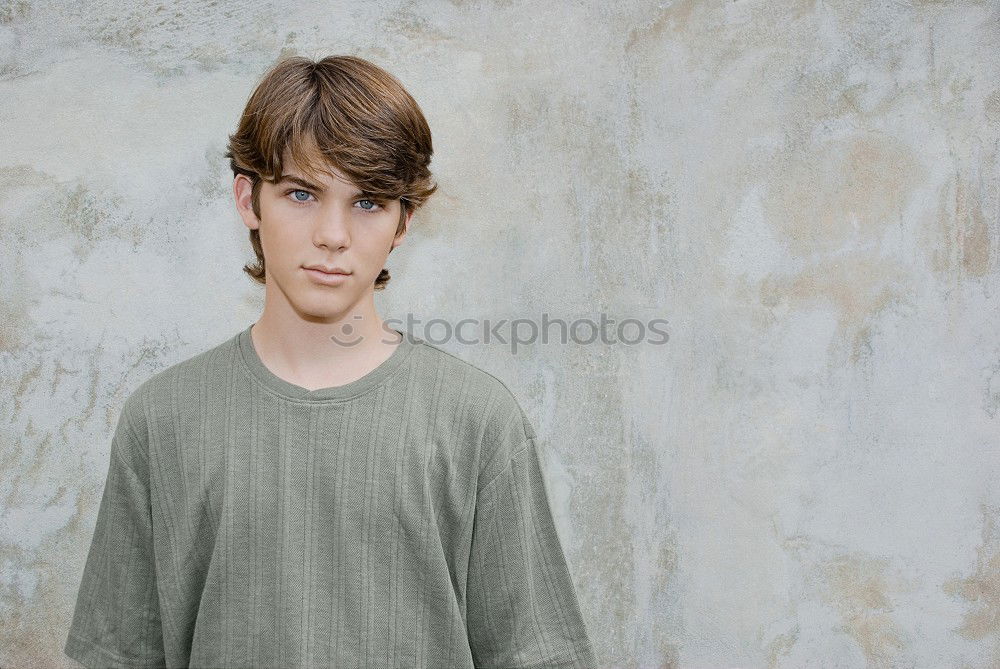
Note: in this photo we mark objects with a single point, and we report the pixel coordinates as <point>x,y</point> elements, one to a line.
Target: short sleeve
<point>521,607</point>
<point>116,621</point>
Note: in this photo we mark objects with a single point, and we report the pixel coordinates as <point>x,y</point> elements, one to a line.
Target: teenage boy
<point>322,490</point>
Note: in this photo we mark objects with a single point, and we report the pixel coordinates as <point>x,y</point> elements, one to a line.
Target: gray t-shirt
<point>399,520</point>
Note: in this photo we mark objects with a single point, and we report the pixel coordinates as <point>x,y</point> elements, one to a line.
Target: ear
<point>243,194</point>
<point>406,228</point>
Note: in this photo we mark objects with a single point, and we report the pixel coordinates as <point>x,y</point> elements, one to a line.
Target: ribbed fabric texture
<point>400,520</point>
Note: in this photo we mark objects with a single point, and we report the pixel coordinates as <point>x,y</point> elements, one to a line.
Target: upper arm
<point>116,619</point>
<point>521,608</point>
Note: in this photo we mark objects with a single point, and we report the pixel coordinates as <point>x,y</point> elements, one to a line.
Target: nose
<point>332,228</point>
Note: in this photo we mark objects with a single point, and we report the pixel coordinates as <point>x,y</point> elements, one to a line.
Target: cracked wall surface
<point>804,474</point>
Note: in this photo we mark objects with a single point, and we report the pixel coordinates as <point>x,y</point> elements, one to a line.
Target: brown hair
<point>341,111</point>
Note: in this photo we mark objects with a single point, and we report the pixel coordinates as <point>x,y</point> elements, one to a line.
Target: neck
<point>316,352</point>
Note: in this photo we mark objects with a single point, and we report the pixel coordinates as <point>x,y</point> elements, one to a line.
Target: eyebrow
<point>311,186</point>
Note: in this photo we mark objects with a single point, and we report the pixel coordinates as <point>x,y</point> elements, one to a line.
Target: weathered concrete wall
<point>804,475</point>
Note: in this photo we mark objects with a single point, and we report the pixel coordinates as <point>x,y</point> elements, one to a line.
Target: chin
<point>323,304</point>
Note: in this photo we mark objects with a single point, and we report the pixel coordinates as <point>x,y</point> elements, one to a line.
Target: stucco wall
<point>805,474</point>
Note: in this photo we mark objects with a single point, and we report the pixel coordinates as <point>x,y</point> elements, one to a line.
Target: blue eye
<point>372,205</point>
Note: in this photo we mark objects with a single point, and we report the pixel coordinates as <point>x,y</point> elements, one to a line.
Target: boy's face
<point>322,221</point>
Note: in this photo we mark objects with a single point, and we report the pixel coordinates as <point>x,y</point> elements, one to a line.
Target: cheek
<point>279,248</point>
<point>375,246</point>
<point>368,258</point>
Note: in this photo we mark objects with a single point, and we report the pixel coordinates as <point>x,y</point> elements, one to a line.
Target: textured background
<point>804,475</point>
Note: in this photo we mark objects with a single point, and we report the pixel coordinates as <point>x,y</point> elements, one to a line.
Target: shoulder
<point>474,384</point>
<point>493,416</point>
<point>168,389</point>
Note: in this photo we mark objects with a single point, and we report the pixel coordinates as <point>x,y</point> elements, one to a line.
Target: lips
<point>328,269</point>
<point>318,274</point>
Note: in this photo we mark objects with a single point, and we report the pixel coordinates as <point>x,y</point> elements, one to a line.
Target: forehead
<point>322,181</point>
<point>318,172</point>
